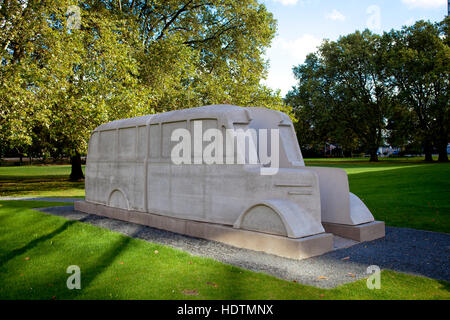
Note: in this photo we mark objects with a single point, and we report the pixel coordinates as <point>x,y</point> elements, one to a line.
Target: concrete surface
<point>298,248</point>
<point>361,233</point>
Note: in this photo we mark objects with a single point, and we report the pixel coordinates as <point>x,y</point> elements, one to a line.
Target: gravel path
<point>406,250</point>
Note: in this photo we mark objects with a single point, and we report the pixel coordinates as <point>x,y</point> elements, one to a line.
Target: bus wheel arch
<point>118,199</point>
<point>279,217</point>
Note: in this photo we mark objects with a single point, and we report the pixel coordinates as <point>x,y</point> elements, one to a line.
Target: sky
<point>303,24</point>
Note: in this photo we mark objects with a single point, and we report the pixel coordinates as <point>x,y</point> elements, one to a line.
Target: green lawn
<point>43,181</point>
<point>36,248</point>
<point>403,193</point>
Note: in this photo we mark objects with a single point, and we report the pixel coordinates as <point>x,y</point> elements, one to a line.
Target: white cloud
<point>374,19</point>
<point>278,80</point>
<point>297,48</point>
<point>335,15</point>
<point>425,4</point>
<point>294,2</point>
<point>287,2</point>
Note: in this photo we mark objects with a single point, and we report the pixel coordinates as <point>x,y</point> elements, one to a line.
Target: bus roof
<point>220,112</point>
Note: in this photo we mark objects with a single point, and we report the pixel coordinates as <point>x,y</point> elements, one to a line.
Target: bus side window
<point>93,146</point>
<point>107,145</point>
<point>142,143</point>
<point>167,129</point>
<point>290,144</point>
<point>155,141</point>
<point>127,144</point>
<point>246,144</point>
<point>205,125</point>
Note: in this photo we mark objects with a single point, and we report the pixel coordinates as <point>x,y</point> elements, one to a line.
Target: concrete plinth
<point>277,245</point>
<point>363,232</point>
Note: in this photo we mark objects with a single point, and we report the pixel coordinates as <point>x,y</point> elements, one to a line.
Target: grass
<point>43,181</point>
<point>36,249</point>
<point>401,192</point>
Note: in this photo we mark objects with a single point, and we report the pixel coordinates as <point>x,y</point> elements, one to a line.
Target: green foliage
<point>342,96</point>
<point>58,84</point>
<point>419,66</point>
<point>126,59</point>
<point>365,89</point>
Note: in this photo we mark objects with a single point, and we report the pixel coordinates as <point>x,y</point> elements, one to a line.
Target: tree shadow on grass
<point>102,263</point>
<point>28,186</point>
<point>445,285</point>
<point>17,252</point>
<point>90,269</point>
<point>235,288</point>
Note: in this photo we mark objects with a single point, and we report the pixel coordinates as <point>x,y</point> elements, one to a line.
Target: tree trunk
<point>428,150</point>
<point>373,156</point>
<point>77,172</point>
<point>443,157</point>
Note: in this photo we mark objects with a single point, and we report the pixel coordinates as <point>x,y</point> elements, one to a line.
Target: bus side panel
<point>137,199</point>
<point>225,194</point>
<point>187,191</point>
<point>105,165</point>
<point>91,183</point>
<point>124,181</point>
<point>140,174</point>
<point>158,187</point>
<point>103,181</point>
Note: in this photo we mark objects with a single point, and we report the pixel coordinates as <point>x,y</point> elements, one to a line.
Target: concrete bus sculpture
<point>292,213</point>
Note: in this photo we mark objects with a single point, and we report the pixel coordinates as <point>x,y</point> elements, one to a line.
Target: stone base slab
<point>363,232</point>
<point>277,245</point>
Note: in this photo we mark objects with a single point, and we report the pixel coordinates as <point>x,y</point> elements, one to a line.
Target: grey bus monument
<point>225,173</point>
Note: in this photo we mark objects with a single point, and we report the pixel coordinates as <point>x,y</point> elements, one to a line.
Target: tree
<point>363,89</point>
<point>343,89</point>
<point>312,105</point>
<point>68,81</point>
<point>419,64</point>
<point>208,52</point>
<point>126,59</point>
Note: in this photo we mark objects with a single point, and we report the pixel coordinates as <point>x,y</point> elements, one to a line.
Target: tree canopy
<point>365,90</point>
<point>419,67</point>
<point>61,77</point>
